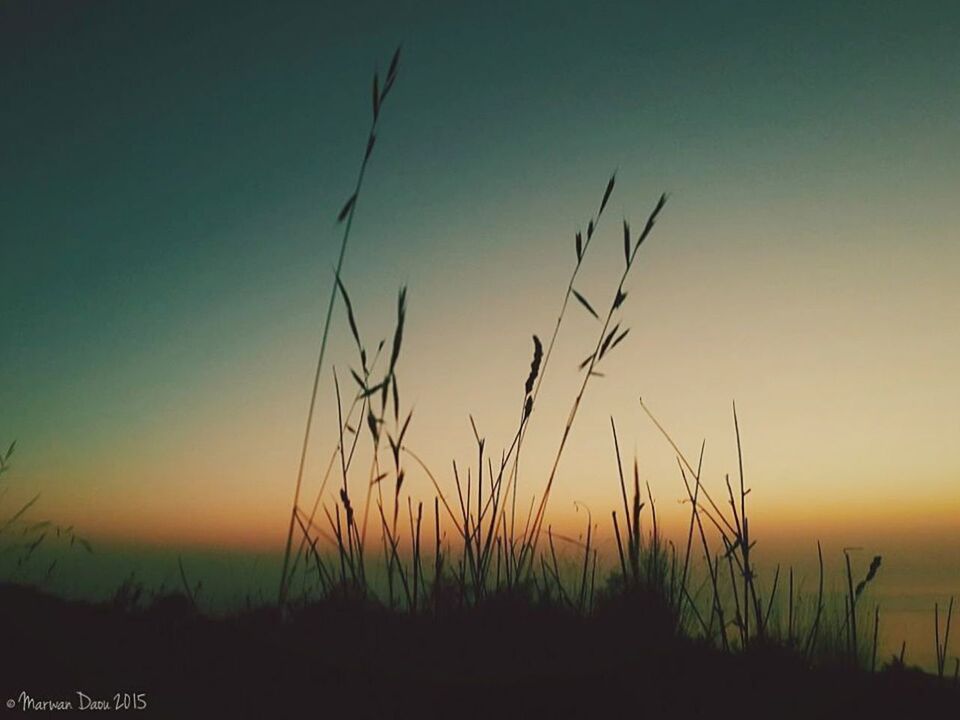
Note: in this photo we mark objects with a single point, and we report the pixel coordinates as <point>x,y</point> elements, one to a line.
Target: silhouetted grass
<point>708,590</point>
<point>345,216</point>
<point>490,607</point>
<point>21,536</point>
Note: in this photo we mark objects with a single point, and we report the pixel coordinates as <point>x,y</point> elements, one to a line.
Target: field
<point>469,603</point>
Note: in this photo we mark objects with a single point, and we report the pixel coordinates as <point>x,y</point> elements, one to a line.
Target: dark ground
<point>503,660</point>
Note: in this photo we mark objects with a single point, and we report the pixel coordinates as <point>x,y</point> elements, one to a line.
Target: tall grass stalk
<point>607,340</point>
<point>581,247</point>
<point>346,214</point>
<point>941,647</point>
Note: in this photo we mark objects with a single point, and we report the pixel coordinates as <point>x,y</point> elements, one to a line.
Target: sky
<point>170,178</point>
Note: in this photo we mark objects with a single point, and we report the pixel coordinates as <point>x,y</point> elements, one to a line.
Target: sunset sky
<point>170,177</point>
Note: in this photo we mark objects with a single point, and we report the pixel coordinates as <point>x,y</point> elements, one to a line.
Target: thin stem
<point>351,213</point>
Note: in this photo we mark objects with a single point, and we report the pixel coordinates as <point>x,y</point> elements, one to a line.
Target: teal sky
<point>170,174</point>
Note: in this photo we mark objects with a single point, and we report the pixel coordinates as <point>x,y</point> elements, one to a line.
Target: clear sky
<point>170,176</point>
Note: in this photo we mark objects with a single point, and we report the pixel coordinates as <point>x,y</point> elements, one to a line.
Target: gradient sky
<point>170,175</point>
